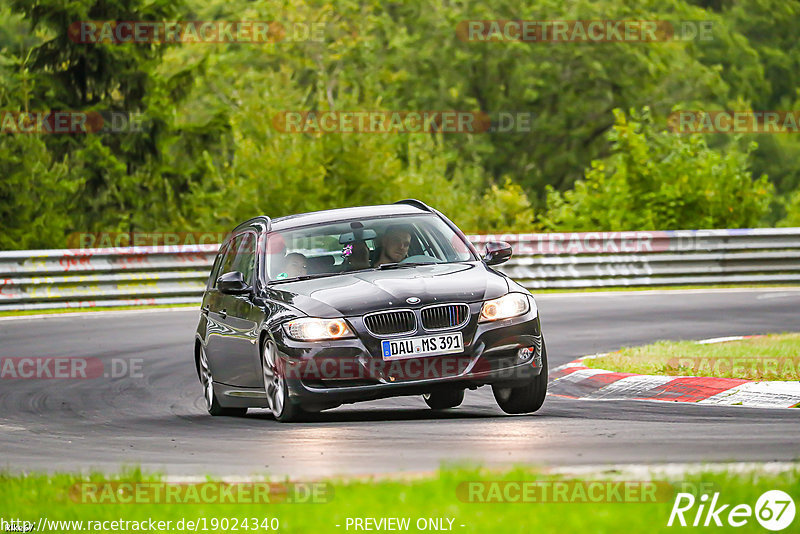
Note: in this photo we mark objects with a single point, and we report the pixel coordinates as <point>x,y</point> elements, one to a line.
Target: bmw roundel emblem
<point>413,300</point>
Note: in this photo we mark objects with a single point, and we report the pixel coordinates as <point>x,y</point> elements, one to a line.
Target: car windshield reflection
<point>344,247</point>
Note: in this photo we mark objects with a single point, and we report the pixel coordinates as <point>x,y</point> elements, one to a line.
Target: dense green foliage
<point>655,179</point>
<point>208,154</point>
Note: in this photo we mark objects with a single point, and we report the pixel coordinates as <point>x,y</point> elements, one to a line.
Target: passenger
<point>394,245</point>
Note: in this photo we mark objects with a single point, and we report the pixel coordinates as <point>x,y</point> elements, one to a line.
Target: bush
<point>655,179</point>
<point>792,204</point>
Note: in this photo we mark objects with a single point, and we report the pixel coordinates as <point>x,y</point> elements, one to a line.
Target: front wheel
<point>446,398</point>
<point>212,403</point>
<point>281,406</point>
<point>527,398</point>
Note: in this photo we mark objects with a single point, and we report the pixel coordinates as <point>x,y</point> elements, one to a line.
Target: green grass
<point>31,497</point>
<point>772,357</point>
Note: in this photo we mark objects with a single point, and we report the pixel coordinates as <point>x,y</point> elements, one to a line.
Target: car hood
<point>357,293</point>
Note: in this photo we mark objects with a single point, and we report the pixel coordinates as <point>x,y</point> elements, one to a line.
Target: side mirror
<point>232,283</point>
<point>496,252</point>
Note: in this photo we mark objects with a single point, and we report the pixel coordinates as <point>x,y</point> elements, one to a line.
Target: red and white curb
<point>575,380</point>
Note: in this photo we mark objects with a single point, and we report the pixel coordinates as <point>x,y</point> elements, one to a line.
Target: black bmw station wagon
<point>307,312</point>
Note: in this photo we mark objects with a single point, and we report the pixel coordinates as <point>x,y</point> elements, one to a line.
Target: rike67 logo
<point>774,510</point>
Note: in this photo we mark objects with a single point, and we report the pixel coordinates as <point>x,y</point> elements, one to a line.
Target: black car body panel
<point>322,374</point>
<point>368,291</point>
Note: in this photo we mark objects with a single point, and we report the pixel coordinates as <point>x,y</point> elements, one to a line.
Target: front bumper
<point>350,370</point>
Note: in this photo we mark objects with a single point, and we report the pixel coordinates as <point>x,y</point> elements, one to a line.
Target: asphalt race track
<point>158,420</point>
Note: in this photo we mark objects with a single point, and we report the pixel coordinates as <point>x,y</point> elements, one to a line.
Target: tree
<point>281,173</point>
<point>34,194</point>
<point>658,180</point>
<point>418,60</point>
<point>136,179</point>
<point>792,204</point>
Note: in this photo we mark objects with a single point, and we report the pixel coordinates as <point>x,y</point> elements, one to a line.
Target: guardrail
<point>657,258</point>
<point>84,278</point>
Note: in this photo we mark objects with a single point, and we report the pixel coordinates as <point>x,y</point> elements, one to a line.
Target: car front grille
<point>390,323</point>
<point>445,316</point>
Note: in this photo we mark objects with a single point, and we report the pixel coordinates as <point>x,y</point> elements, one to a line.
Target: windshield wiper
<point>400,265</point>
<point>303,277</point>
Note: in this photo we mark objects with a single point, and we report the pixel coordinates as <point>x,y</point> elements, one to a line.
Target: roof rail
<point>416,203</point>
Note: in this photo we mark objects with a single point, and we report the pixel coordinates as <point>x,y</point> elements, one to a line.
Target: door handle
<point>223,313</point>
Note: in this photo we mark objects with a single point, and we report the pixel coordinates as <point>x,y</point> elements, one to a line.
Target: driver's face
<point>396,245</point>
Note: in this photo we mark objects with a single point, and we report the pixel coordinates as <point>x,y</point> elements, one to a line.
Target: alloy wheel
<point>273,378</point>
<point>206,379</point>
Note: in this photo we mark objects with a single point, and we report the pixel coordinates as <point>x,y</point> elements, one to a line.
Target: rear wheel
<point>212,403</point>
<point>527,398</point>
<point>281,406</point>
<point>443,399</point>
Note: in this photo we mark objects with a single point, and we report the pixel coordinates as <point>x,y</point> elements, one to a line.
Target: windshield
<point>334,248</point>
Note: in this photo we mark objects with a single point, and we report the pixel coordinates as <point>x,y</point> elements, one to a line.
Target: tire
<point>443,399</point>
<point>207,380</point>
<point>524,399</point>
<point>281,406</point>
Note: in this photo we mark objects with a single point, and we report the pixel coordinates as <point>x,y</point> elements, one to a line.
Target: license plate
<point>395,349</point>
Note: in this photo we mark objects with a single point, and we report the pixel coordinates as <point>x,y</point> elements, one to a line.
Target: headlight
<point>310,329</point>
<point>505,307</point>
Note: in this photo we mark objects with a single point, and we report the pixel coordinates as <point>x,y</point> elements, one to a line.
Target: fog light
<point>525,354</point>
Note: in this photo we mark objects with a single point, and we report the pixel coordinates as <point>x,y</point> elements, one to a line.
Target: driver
<point>394,245</point>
